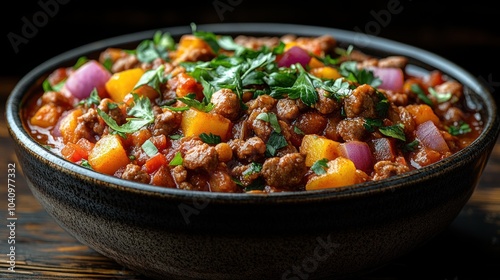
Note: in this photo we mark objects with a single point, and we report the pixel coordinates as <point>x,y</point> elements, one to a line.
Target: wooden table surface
<point>468,249</point>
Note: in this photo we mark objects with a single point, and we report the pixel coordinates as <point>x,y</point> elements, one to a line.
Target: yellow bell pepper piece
<point>122,83</point>
<point>316,147</point>
<point>341,172</point>
<point>196,122</point>
<point>108,155</point>
<point>326,72</point>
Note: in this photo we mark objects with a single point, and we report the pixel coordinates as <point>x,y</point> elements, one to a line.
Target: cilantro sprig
<point>158,47</point>
<point>320,166</point>
<point>141,114</point>
<point>152,78</point>
<point>351,72</point>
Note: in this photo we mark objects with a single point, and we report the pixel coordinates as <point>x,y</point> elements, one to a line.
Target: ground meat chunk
<point>325,105</point>
<point>57,98</point>
<point>256,43</point>
<point>221,181</point>
<point>179,173</point>
<point>324,44</point>
<point>188,143</point>
<point>288,149</point>
<point>385,169</point>
<point>201,156</point>
<point>399,114</point>
<point>399,99</point>
<point>89,125</point>
<point>125,62</point>
<point>331,128</point>
<point>371,62</point>
<point>247,178</point>
<point>311,122</point>
<point>166,122</point>
<point>260,128</point>
<point>250,150</point>
<point>226,103</point>
<point>287,109</point>
<point>352,129</point>
<point>262,102</point>
<point>362,102</point>
<point>393,61</point>
<point>115,112</point>
<point>452,87</point>
<point>284,172</point>
<point>134,172</point>
<point>357,55</point>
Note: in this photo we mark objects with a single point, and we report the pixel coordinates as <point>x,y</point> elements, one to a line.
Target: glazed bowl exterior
<point>178,234</point>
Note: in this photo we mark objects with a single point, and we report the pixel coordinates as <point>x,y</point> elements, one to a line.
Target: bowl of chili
<point>246,151</point>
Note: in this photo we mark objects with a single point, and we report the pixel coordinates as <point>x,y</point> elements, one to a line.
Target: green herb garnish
<point>319,167</point>
<point>141,112</point>
<point>211,139</point>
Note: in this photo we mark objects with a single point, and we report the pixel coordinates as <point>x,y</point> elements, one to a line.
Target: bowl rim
<point>20,135</point>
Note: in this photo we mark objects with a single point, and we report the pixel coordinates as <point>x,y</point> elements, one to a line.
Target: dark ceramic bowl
<point>177,234</point>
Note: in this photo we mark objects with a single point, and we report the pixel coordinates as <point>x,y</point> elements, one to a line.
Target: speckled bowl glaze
<point>176,234</point>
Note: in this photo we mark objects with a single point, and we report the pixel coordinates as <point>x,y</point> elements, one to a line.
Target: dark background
<point>465,34</point>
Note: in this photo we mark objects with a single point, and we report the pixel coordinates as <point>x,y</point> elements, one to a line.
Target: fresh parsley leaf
<point>421,94</point>
<point>149,50</point>
<point>302,88</point>
<point>298,131</point>
<point>382,106</point>
<point>254,168</point>
<point>211,139</point>
<point>93,99</point>
<point>152,78</point>
<point>271,118</point>
<point>191,102</point>
<point>337,89</point>
<point>281,78</point>
<point>394,131</point>
<point>81,60</point>
<point>257,184</point>
<point>227,43</point>
<point>319,167</point>
<point>108,64</point>
<point>48,87</point>
<point>372,124</point>
<point>412,146</point>
<point>276,141</point>
<point>141,112</point>
<point>351,72</point>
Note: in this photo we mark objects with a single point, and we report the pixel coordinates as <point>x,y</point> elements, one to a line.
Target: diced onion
<point>430,136</point>
<point>84,79</point>
<point>358,152</point>
<point>294,55</point>
<point>392,78</point>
